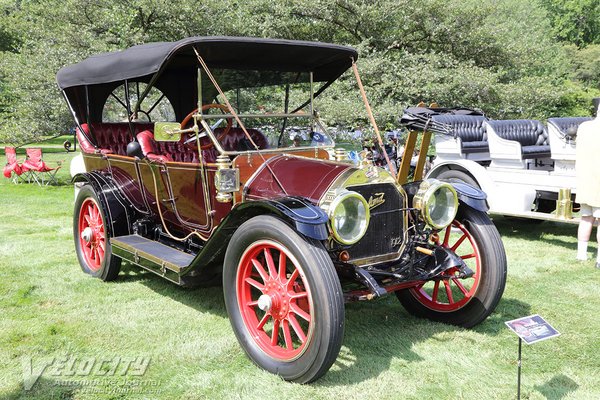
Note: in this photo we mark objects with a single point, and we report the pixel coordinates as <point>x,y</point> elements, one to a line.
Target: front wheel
<point>284,299</point>
<point>91,237</point>
<point>464,302</point>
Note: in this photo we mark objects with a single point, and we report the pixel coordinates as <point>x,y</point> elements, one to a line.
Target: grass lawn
<point>50,309</point>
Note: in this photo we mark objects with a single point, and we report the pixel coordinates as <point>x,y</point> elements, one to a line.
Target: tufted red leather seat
<point>150,147</point>
<point>236,139</point>
<point>111,138</point>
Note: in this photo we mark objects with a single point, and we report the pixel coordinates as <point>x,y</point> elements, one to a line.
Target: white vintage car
<point>527,169</point>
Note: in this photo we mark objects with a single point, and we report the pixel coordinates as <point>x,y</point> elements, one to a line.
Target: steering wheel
<point>185,138</point>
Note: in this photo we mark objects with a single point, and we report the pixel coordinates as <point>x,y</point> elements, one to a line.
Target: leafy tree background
<point>510,58</point>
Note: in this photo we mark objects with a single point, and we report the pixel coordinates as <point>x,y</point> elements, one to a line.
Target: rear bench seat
<point>112,138</point>
<point>468,139</point>
<point>562,132</point>
<point>512,141</point>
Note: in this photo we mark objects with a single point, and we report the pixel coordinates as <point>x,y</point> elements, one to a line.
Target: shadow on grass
<point>43,388</point>
<point>557,387</point>
<point>537,231</point>
<point>380,332</point>
<point>376,332</point>
<point>205,299</point>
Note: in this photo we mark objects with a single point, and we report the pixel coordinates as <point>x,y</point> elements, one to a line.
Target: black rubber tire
<point>328,302</point>
<point>453,175</point>
<point>111,264</point>
<point>492,280</point>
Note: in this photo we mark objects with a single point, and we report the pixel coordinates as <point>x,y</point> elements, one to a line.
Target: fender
<point>119,213</point>
<point>308,219</point>
<point>476,170</point>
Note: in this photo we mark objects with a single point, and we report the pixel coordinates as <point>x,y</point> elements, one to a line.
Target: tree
<point>490,54</point>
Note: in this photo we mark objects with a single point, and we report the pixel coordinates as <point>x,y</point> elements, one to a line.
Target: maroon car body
<point>239,192</point>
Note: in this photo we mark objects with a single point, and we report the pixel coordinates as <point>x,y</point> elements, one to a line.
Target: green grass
<point>51,309</point>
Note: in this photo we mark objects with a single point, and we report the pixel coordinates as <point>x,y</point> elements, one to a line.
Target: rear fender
<point>119,213</point>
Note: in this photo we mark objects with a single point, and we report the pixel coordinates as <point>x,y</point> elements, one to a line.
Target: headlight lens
<point>438,203</point>
<point>349,217</point>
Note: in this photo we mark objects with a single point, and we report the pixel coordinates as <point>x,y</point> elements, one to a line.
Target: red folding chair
<point>37,170</point>
<point>12,169</point>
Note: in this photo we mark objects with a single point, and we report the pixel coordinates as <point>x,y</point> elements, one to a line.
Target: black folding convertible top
<point>327,61</point>
<point>172,67</point>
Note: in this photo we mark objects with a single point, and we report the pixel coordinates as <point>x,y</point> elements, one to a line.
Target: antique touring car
<point>526,169</point>
<point>194,170</point>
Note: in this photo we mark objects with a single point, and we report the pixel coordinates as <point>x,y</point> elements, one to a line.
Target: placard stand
<point>519,371</point>
<point>530,329</point>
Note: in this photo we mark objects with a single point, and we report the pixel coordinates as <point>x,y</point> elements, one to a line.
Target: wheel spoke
<point>458,242</point>
<point>460,286</point>
<point>263,321</point>
<point>252,303</point>
<point>254,283</point>
<point>448,292</point>
<point>447,236</point>
<point>100,251</point>
<point>275,333</point>
<point>436,288</point>
<point>297,328</point>
<point>466,257</point>
<point>282,266</point>
<point>258,266</point>
<point>297,295</point>
<point>287,335</point>
<point>298,311</point>
<point>87,220</point>
<point>270,263</point>
<point>293,277</point>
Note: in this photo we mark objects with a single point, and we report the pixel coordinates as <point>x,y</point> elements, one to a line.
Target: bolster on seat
<point>563,135</point>
<point>564,126</point>
<point>149,147</point>
<point>530,135</point>
<point>469,129</point>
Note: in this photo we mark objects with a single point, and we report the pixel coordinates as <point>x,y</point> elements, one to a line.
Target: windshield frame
<point>202,119</point>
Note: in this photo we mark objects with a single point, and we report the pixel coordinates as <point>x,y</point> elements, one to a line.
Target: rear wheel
<point>91,237</point>
<point>464,302</point>
<point>284,299</point>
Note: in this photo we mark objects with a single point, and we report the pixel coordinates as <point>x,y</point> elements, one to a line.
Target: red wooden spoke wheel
<point>283,298</point>
<point>464,302</point>
<point>91,237</point>
<point>91,234</point>
<point>274,300</point>
<point>451,293</point>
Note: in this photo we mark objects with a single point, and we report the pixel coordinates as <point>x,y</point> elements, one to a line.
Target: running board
<point>151,255</point>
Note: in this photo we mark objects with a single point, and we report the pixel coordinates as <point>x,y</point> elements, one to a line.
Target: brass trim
<point>340,197</point>
<point>358,177</point>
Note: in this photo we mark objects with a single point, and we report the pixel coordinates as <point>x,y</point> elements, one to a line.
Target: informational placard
<point>532,329</point>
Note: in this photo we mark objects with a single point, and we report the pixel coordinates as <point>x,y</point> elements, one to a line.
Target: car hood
<point>294,176</point>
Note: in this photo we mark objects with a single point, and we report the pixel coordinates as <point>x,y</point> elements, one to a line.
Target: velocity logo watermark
<point>98,370</point>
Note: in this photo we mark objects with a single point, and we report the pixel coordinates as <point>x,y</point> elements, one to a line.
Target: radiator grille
<point>384,235</point>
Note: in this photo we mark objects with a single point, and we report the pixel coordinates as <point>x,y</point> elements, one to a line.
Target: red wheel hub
<point>91,234</point>
<point>451,293</point>
<point>274,300</point>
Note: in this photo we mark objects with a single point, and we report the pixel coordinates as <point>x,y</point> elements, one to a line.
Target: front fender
<point>308,219</point>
